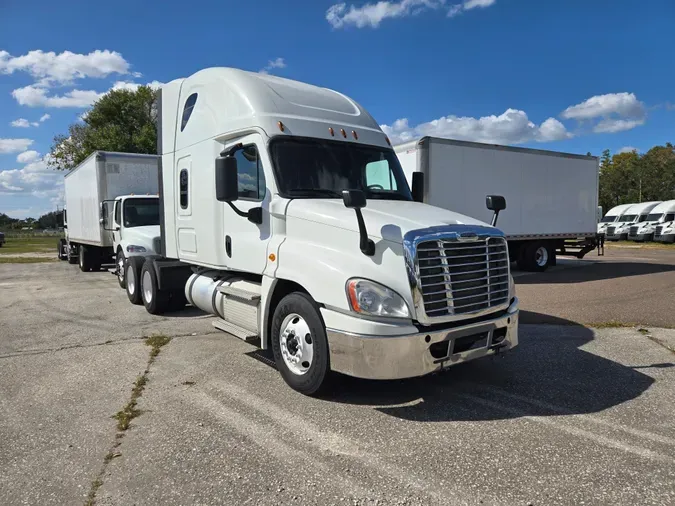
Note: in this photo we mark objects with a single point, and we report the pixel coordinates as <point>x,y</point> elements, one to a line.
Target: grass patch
<point>156,342</point>
<point>26,260</point>
<point>639,245</point>
<point>91,497</point>
<point>29,244</point>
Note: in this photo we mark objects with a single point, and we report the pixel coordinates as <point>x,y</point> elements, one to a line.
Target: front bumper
<point>617,236</point>
<point>412,355</point>
<point>645,236</point>
<point>665,238</point>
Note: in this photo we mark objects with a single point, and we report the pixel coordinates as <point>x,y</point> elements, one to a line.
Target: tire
<point>120,262</point>
<point>156,301</point>
<point>298,312</point>
<point>72,259</point>
<point>63,254</point>
<point>84,258</point>
<point>132,278</point>
<point>537,257</point>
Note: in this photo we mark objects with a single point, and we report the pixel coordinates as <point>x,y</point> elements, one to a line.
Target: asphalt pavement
<point>572,416</point>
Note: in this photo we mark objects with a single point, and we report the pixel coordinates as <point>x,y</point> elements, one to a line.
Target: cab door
<point>245,243</point>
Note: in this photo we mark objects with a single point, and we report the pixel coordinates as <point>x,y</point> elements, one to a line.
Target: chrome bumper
<point>407,356</point>
<point>665,238</point>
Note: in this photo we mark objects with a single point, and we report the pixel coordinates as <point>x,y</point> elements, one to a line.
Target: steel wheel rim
<point>146,286</point>
<point>541,256</point>
<point>120,269</point>
<point>81,257</point>
<point>297,344</point>
<point>131,280</point>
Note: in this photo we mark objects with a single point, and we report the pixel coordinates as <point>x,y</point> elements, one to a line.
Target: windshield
<point>669,217</point>
<point>654,217</point>
<point>314,168</point>
<point>643,217</point>
<point>141,212</point>
<point>627,218</point>
<point>608,219</point>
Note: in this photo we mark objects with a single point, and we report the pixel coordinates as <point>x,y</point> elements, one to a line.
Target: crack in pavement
<point>120,340</point>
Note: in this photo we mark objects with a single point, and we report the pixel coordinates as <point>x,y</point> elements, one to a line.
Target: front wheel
<point>300,345</point>
<point>62,250</point>
<point>119,260</point>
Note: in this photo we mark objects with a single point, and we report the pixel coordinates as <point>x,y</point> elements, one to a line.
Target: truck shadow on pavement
<point>593,272</point>
<point>546,375</point>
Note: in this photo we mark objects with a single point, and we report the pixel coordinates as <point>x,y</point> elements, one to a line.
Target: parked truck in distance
<point>657,219</point>
<point>612,216</point>
<point>112,212</point>
<point>633,216</point>
<point>274,218</point>
<point>552,197</point>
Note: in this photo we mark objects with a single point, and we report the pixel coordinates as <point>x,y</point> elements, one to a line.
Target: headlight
<point>512,287</point>
<point>370,298</point>
<point>135,249</point>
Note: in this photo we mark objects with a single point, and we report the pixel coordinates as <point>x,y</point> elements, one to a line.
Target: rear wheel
<point>535,257</point>
<point>132,276</point>
<point>62,250</point>
<point>156,301</point>
<point>84,258</point>
<point>300,345</point>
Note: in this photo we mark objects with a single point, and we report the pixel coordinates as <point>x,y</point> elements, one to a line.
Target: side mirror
<point>418,186</point>
<point>495,203</point>
<point>354,199</point>
<point>227,183</point>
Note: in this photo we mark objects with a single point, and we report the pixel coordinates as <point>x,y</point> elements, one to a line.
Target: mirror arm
<point>254,215</point>
<point>494,218</point>
<point>367,245</point>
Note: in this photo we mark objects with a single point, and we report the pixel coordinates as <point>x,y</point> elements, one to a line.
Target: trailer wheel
<point>132,275</point>
<point>121,267</point>
<point>300,345</point>
<point>63,252</point>
<point>84,258</point>
<point>156,301</point>
<point>536,256</point>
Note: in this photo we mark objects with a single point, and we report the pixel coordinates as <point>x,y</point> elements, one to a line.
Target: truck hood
<point>384,219</point>
<point>147,232</point>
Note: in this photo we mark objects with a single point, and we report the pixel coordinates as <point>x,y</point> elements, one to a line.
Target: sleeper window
<point>184,189</point>
<point>250,173</point>
<point>187,110</point>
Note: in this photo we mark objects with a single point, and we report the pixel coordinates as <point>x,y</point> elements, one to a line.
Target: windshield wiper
<point>304,192</point>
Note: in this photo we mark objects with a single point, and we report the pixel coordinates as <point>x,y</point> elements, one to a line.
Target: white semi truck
<point>660,216</point>
<point>612,216</point>
<point>552,197</point>
<point>275,219</point>
<point>112,207</point>
<point>633,216</point>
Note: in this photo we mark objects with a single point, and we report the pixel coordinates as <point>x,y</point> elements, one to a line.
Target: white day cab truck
<point>274,220</point>
<point>552,197</point>
<point>633,216</point>
<point>660,218</point>
<point>112,208</point>
<point>612,217</point>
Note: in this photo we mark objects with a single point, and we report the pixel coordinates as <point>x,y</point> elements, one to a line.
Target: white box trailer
<point>92,190</point>
<point>552,198</point>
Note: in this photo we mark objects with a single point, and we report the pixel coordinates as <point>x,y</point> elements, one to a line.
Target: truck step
<point>231,328</point>
<point>238,293</point>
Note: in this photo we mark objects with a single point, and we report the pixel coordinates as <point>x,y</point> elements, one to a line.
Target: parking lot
<point>580,413</point>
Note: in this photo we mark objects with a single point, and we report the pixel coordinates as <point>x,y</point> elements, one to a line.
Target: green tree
<point>121,120</point>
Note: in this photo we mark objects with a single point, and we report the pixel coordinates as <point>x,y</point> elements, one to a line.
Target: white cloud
<point>373,14</point>
<point>277,63</point>
<point>511,127</point>
<point>628,149</point>
<point>622,104</point>
<point>35,96</point>
<point>44,118</point>
<point>131,86</point>
<point>63,68</point>
<point>611,126</point>
<point>33,179</point>
<point>28,156</point>
<point>20,123</point>
<point>14,145</point>
<point>467,5</point>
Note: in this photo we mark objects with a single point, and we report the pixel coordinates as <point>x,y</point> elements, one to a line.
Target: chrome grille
<point>611,230</point>
<point>463,277</point>
<point>634,230</point>
<point>659,230</point>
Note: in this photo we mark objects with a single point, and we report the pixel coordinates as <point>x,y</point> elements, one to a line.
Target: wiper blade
<point>314,191</point>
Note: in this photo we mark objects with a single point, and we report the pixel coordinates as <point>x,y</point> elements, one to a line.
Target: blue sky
<point>566,75</point>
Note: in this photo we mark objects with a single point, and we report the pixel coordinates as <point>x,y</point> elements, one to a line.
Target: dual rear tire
<point>535,256</point>
<point>142,287</point>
